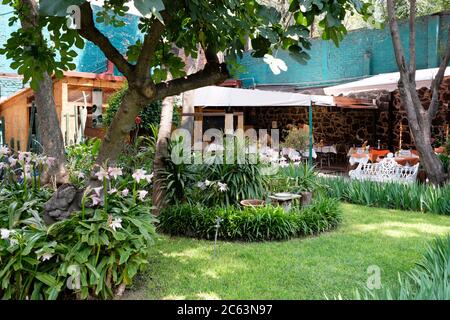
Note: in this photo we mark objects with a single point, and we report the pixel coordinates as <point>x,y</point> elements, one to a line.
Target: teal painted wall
<point>89,59</point>
<point>363,52</point>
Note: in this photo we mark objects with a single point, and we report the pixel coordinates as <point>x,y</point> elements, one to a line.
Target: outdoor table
<point>325,149</point>
<point>306,154</point>
<point>358,158</point>
<point>410,161</point>
<point>285,199</point>
<point>375,153</point>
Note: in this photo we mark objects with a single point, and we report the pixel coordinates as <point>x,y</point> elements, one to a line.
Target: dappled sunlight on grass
<point>173,297</point>
<point>402,229</point>
<point>207,296</point>
<point>308,268</point>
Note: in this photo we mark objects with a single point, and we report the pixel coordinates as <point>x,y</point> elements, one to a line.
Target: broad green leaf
<point>56,8</point>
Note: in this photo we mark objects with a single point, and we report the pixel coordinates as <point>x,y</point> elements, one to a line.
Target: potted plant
<point>301,179</point>
<point>252,203</point>
<point>437,145</point>
<point>296,139</point>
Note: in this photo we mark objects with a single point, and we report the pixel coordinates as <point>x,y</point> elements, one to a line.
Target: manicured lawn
<point>308,268</point>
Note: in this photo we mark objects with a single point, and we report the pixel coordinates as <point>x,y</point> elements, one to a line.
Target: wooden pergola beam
<point>356,103</point>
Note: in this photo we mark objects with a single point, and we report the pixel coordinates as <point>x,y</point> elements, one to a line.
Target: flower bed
<point>94,253</point>
<point>250,224</point>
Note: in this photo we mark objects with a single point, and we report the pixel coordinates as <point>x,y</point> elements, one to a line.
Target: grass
<point>308,268</point>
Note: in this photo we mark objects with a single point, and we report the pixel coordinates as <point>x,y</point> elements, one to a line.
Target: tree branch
<point>149,47</point>
<point>436,83</point>
<point>398,48</point>
<point>212,73</point>
<point>412,41</point>
<point>89,31</point>
<point>410,97</point>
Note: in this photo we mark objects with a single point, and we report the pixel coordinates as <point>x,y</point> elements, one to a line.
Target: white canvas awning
<point>384,81</point>
<point>214,96</point>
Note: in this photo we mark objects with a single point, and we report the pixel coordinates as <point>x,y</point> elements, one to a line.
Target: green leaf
<point>56,8</point>
<point>47,279</point>
<point>150,7</point>
<point>299,55</point>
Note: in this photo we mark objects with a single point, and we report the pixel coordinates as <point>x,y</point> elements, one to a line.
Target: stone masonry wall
<point>338,125</point>
<point>439,123</point>
<point>332,124</point>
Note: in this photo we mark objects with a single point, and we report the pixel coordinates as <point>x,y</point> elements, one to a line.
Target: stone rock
<point>63,202</point>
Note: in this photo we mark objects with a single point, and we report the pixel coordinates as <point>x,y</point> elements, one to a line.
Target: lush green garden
<point>314,249</point>
<point>308,268</point>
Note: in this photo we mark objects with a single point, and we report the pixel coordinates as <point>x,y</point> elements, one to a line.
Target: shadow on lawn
<point>199,264</point>
<point>307,268</point>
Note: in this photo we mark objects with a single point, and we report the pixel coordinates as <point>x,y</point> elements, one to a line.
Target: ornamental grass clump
<point>250,223</point>
<point>410,197</point>
<point>429,280</point>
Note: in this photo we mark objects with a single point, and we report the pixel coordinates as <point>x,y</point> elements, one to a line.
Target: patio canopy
<point>384,81</point>
<point>215,96</point>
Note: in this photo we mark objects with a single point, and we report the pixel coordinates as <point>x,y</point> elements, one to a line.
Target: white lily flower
<point>149,177</point>
<point>112,191</point>
<point>12,161</point>
<point>116,224</point>
<point>201,185</point>
<point>95,200</point>
<point>5,233</point>
<point>24,156</point>
<point>207,183</point>
<point>115,172</point>
<point>125,192</point>
<point>102,174</point>
<point>275,65</point>
<point>4,150</point>
<point>142,194</point>
<point>222,187</point>
<point>139,175</point>
<point>46,256</point>
<point>97,191</point>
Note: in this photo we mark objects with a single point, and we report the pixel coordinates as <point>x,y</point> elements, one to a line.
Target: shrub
<point>296,139</point>
<point>295,178</point>
<point>250,224</point>
<point>241,181</point>
<point>210,183</point>
<point>81,159</point>
<point>150,115</point>
<point>445,159</point>
<point>37,262</point>
<point>139,154</point>
<point>429,280</point>
<point>411,197</point>
<point>101,248</point>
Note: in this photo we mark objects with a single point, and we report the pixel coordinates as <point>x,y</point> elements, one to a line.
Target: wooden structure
<point>75,93</point>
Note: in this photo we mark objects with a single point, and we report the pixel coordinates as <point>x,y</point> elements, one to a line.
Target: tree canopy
<point>215,26</point>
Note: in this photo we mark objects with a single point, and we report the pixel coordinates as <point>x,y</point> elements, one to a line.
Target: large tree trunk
<point>121,126</point>
<point>161,153</point>
<point>48,124</point>
<point>419,118</point>
<point>420,127</point>
<point>50,131</point>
